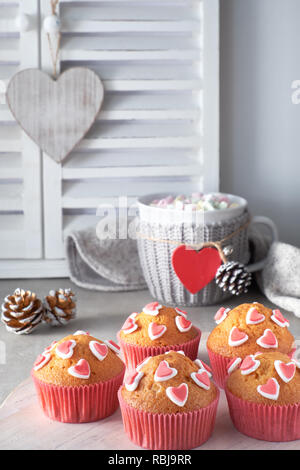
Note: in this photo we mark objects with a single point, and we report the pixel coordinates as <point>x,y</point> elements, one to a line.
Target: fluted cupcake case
<point>81,404</point>
<point>168,431</point>
<point>134,355</point>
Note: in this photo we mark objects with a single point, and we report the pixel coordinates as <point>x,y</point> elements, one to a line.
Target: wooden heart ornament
<point>55,114</point>
<point>195,269</point>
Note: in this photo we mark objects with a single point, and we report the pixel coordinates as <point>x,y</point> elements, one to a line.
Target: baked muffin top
<point>270,378</point>
<point>78,359</point>
<point>249,328</point>
<point>169,383</point>
<point>157,325</point>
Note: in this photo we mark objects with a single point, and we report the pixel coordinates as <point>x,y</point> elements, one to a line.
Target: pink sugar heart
<point>249,365</point>
<point>254,317</point>
<point>99,350</point>
<point>81,370</point>
<point>183,324</point>
<point>164,372</point>
<point>268,340</point>
<point>156,330</point>
<point>113,346</point>
<point>129,326</point>
<point>285,371</point>
<point>65,350</point>
<point>270,389</point>
<point>152,308</point>
<point>181,312</point>
<point>237,337</point>
<point>233,364</point>
<point>202,379</point>
<point>279,319</point>
<point>221,315</point>
<point>178,395</point>
<point>132,380</point>
<point>41,361</point>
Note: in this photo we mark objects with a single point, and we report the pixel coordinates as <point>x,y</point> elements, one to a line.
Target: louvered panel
<point>149,134</point>
<point>20,201</point>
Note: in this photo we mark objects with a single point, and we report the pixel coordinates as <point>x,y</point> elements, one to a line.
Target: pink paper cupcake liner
<point>133,354</point>
<point>81,404</point>
<point>168,431</point>
<point>277,423</point>
<point>219,366</point>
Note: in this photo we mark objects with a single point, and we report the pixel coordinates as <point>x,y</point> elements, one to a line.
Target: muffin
<point>263,395</point>
<point>168,402</point>
<point>77,378</point>
<point>156,330</point>
<point>245,330</point>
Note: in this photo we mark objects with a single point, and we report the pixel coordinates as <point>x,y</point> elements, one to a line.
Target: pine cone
<point>22,312</point>
<point>60,307</point>
<point>233,277</point>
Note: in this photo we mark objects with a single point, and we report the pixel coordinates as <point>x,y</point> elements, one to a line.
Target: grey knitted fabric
<point>280,278</point>
<point>105,265</point>
<point>156,258</point>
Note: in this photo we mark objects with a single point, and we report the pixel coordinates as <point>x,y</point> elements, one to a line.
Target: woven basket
<point>156,256</point>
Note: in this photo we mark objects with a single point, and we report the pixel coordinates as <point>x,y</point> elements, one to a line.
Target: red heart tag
<point>178,395</point>
<point>195,269</point>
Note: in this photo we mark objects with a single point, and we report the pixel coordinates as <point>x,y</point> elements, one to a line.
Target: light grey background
<point>260,127</point>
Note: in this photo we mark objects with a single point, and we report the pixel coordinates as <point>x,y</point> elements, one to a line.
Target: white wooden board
<point>24,426</point>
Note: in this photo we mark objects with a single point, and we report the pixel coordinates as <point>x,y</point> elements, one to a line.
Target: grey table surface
<point>101,313</point>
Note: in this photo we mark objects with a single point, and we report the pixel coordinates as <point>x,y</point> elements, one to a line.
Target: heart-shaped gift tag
<point>195,269</point>
<point>55,114</point>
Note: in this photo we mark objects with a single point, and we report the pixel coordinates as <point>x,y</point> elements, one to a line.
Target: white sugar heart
<point>55,114</point>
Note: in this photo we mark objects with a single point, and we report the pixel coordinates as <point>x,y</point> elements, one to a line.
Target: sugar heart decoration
<point>80,332</point>
<point>156,330</point>
<point>195,269</point>
<point>285,371</point>
<point>268,340</point>
<point>254,317</point>
<point>233,364</point>
<point>81,370</point>
<point>203,366</point>
<point>152,309</point>
<point>249,365</point>
<point>183,324</point>
<point>143,363</point>
<point>164,372</point>
<point>279,319</point>
<point>178,395</point>
<point>129,326</point>
<point>65,350</point>
<point>181,312</point>
<point>41,361</point>
<point>100,350</point>
<point>201,378</point>
<point>221,315</point>
<point>112,345</point>
<point>132,380</point>
<point>237,337</point>
<point>270,389</point>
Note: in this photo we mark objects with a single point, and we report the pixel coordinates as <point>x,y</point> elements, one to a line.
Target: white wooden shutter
<point>20,160</point>
<point>158,129</point>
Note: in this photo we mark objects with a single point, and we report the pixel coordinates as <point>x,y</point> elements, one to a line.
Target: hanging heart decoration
<point>55,114</point>
<point>195,269</point>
